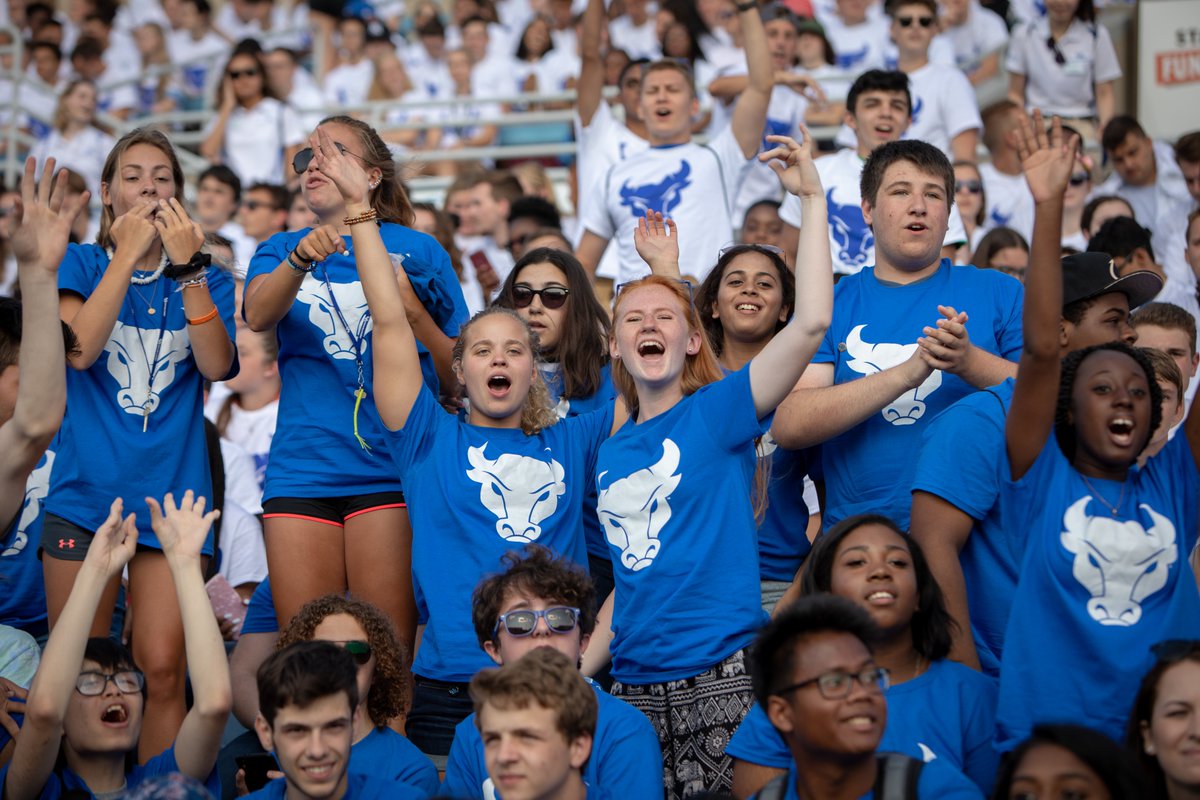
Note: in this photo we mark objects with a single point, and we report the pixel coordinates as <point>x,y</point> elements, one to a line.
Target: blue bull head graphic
<point>663,196</point>
<point>851,58</point>
<point>775,127</point>
<point>852,238</point>
<point>918,107</point>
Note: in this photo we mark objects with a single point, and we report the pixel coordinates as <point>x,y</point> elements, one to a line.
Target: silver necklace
<point>148,279</point>
<point>1115,510</point>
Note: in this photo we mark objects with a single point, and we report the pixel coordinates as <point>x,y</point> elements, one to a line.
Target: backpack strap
<point>897,777</point>
<point>775,790</point>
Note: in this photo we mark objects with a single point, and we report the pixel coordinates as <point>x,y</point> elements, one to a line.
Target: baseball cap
<point>1088,275</point>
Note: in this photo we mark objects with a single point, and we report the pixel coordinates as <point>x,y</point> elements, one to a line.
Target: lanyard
<point>358,339</point>
<point>152,367</point>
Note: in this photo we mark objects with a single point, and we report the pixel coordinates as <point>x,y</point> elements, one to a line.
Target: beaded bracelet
<point>200,280</point>
<point>203,318</point>
<point>369,215</point>
<point>298,267</point>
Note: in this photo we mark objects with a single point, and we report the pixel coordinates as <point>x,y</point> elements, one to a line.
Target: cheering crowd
<point>781,467</point>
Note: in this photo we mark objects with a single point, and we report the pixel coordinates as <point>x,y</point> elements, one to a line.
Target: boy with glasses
<point>814,674</point>
<point>544,601</point>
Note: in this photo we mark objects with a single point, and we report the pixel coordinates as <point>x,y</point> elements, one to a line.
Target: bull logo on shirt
<point>851,58</point>
<point>775,127</point>
<point>1120,564</point>
<point>130,352</point>
<point>36,488</point>
<point>520,491</point>
<point>663,196</point>
<point>851,234</point>
<point>634,509</point>
<point>918,107</point>
<point>867,359</point>
<point>323,314</point>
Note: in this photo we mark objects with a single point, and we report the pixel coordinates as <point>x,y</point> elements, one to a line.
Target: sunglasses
<point>303,158</point>
<point>924,22</point>
<point>243,73</point>
<point>974,187</point>
<point>1080,179</point>
<point>255,205</point>
<point>1059,58</point>
<point>360,650</point>
<point>90,684</point>
<point>552,296</point>
<point>559,619</point>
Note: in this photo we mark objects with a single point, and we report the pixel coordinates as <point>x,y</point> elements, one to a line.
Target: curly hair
<point>537,414</point>
<point>389,686</point>
<point>1064,427</point>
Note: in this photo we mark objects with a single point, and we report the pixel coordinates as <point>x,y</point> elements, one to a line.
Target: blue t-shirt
<point>314,452</point>
<point>147,364</point>
<point>972,432</point>
<point>22,587</point>
<point>947,713</point>
<point>876,326</point>
<point>574,407</point>
<point>260,612</point>
<point>783,535</point>
<point>387,755</point>
<point>936,782</point>
<point>625,754</point>
<point>64,780</point>
<point>675,504</point>
<point>474,494</point>
<point>358,787</point>
<point>1096,590</point>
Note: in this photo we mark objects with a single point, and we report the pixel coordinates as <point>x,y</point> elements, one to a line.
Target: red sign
<point>1180,66</point>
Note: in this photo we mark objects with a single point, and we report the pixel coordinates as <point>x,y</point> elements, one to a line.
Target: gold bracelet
<point>370,215</point>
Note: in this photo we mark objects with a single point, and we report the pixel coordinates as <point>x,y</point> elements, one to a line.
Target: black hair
<point>1178,652</point>
<point>111,656</point>
<point>1118,129</point>
<point>302,673</point>
<point>10,334</point>
<point>1120,237</point>
<point>706,295</point>
<point>631,64</point>
<point>773,658</point>
<point>1064,428</point>
<point>538,209</point>
<point>225,175</point>
<point>879,80</point>
<point>1101,754</point>
<point>922,155</point>
<point>932,626</point>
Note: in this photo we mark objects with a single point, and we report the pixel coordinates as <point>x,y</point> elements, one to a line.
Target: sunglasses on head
<point>552,296</point>
<point>304,157</point>
<point>243,73</point>
<point>924,22</point>
<point>360,650</point>
<point>974,187</point>
<point>522,622</point>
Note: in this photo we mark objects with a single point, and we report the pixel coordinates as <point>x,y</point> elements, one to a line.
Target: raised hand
<point>946,346</point>
<point>657,241</point>
<point>181,237</point>
<point>345,171</point>
<point>319,244</point>
<point>133,232</point>
<point>114,544</point>
<point>43,217</point>
<point>803,85</point>
<point>793,162</point>
<point>183,529</point>
<point>1047,159</point>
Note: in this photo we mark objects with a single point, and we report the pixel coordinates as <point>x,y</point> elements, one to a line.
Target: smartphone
<point>256,767</point>
<point>226,602</point>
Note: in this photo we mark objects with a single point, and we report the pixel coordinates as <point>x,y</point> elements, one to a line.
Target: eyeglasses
<point>748,247</point>
<point>924,22</point>
<point>1015,272</point>
<point>1175,649</point>
<point>1059,58</point>
<point>303,158</point>
<point>255,205</point>
<point>552,296</point>
<point>1079,179</point>
<point>243,73</point>
<point>90,684</point>
<point>837,684</point>
<point>559,619</point>
<point>359,649</point>
<point>974,187</point>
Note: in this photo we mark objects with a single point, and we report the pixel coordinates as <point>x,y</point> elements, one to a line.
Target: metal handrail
<point>16,51</point>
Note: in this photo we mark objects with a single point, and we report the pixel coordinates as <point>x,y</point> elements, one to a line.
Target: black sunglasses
<point>924,22</point>
<point>304,157</point>
<point>974,187</point>
<point>243,73</point>
<point>552,296</point>
<point>255,205</point>
<point>559,619</point>
<point>1059,58</point>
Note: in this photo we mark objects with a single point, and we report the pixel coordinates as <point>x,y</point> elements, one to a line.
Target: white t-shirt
<point>112,98</point>
<point>501,261</point>
<point>851,242</point>
<point>250,430</point>
<point>83,153</point>
<point>200,61</point>
<point>944,106</point>
<point>858,47</point>
<point>255,139</point>
<point>243,246</point>
<point>638,41</point>
<point>241,483</point>
<point>784,114</point>
<point>497,76</point>
<point>348,84</point>
<point>1009,201</point>
<point>432,75</point>
<point>243,554</point>
<point>696,185</point>
<point>601,144</point>
<point>982,33</point>
<point>283,17</point>
<point>1067,89</point>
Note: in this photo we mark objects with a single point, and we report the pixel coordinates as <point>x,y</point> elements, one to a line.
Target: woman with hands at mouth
<point>87,704</point>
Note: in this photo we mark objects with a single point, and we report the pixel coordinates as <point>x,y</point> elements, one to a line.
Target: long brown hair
<point>149,136</point>
<point>388,198</point>
<point>536,414</point>
<point>269,340</point>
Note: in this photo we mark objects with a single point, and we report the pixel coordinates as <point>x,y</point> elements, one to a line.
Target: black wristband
<point>746,6</point>
<point>297,267</point>
<point>198,263</point>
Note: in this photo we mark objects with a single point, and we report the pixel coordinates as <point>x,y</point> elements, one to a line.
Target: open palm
<point>1047,158</point>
